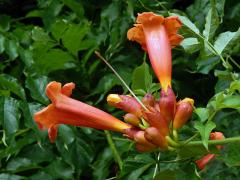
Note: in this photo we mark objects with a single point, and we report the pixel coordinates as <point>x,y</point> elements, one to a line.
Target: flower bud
<point>167,104</point>
<point>131,119</point>
<point>148,100</point>
<point>183,112</point>
<point>155,119</point>
<point>217,136</point>
<point>201,163</point>
<point>126,103</point>
<point>153,135</point>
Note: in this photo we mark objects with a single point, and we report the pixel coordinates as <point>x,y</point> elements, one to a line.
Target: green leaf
<point>28,110</point>
<point>141,78</point>
<point>235,85</point>
<point>188,24</point>
<point>224,80</point>
<point>37,88</point>
<point>58,29</point>
<point>212,22</point>
<point>205,130</point>
<point>231,101</point>
<point>9,115</point>
<point>59,169</point>
<point>189,152</point>
<point>38,34</point>
<point>4,22</point>
<point>207,63</point>
<point>190,45</point>
<point>102,164</point>
<point>166,174</point>
<point>2,42</point>
<point>7,176</point>
<point>74,33</point>
<point>11,84</point>
<point>203,113</point>
<point>135,175</point>
<point>226,41</point>
<point>11,48</point>
<point>66,134</point>
<point>231,155</point>
<point>54,59</point>
<point>20,164</point>
<point>75,7</point>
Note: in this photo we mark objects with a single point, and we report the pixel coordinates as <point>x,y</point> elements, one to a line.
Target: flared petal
<point>65,110</point>
<point>157,35</point>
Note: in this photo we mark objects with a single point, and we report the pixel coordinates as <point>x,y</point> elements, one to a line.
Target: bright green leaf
<point>212,22</point>
<point>225,41</point>
<point>190,45</point>
<point>205,130</point>
<point>203,113</point>
<point>141,78</point>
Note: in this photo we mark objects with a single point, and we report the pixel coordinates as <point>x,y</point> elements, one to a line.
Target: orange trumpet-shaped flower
<point>65,110</point>
<point>201,163</point>
<point>157,35</point>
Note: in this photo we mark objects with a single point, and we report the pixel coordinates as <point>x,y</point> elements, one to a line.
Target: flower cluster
<point>151,123</point>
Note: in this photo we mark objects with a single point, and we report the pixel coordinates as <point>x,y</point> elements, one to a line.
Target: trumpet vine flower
<point>65,110</point>
<point>157,35</point>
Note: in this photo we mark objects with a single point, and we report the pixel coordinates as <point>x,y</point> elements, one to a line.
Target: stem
<point>214,142</point>
<point>120,78</point>
<point>114,149</point>
<point>234,62</point>
<point>156,166</point>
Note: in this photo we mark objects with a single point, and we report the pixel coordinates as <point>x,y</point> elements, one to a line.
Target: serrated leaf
<point>225,41</point>
<point>37,87</point>
<point>212,22</point>
<point>203,113</point>
<point>54,59</point>
<point>141,78</point>
<point>9,115</point>
<point>188,24</point>
<point>10,83</point>
<point>74,33</point>
<point>205,130</point>
<point>190,45</point>
<point>58,28</point>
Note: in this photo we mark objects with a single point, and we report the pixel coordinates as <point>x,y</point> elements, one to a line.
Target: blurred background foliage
<point>47,40</point>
